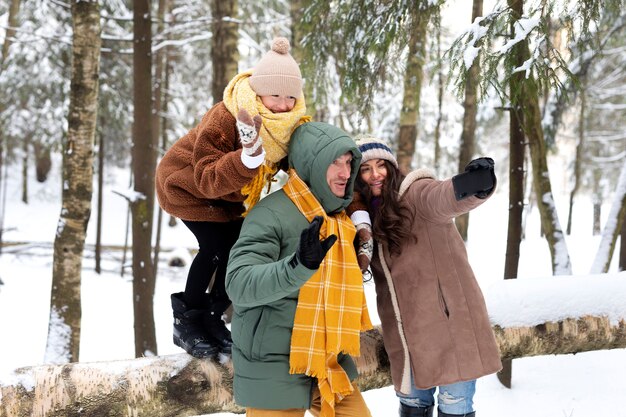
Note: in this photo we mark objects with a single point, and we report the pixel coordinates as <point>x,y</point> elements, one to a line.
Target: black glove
<point>311,250</point>
<point>478,179</point>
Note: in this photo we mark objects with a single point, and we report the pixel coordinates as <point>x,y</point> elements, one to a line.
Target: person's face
<point>338,174</point>
<point>373,174</point>
<point>279,104</point>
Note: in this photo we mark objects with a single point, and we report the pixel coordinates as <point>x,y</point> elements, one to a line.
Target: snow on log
<point>558,314</point>
<point>552,315</point>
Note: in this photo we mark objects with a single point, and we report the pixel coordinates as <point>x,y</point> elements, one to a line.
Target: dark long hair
<point>390,218</point>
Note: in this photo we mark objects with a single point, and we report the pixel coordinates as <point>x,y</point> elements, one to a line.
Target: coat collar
<point>414,176</point>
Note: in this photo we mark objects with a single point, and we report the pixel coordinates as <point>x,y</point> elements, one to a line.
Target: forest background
<point>100,87</point>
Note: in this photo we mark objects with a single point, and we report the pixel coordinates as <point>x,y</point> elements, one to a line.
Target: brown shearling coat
<point>433,314</point>
<point>201,176</point>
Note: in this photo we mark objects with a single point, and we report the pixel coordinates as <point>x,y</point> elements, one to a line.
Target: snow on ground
<point>548,386</point>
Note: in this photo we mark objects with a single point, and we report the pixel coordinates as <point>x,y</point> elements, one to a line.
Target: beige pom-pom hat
<point>277,73</point>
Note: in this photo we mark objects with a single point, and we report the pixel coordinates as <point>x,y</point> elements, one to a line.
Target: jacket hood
<point>312,148</point>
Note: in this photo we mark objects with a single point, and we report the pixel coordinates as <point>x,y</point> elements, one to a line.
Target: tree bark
<point>470,106</point>
<point>9,33</point>
<point>224,52</point>
<point>622,250</point>
<point>577,159</point>
<point>182,385</point>
<point>517,148</point>
<point>12,22</point>
<point>25,151</point>
<point>297,33</point>
<point>528,99</point>
<point>98,248</point>
<point>65,304</point>
<point>613,226</point>
<point>413,76</point>
<point>144,165</point>
<point>159,105</point>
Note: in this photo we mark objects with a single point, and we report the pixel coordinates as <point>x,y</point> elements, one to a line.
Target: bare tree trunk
<point>144,165</point>
<point>25,152</point>
<point>12,23</point>
<point>413,76</point>
<point>183,385</point>
<point>159,92</point>
<point>613,226</point>
<point>9,34</point>
<point>470,105</point>
<point>597,202</point>
<point>63,341</point>
<point>622,251</point>
<point>98,249</point>
<point>440,85</point>
<point>43,161</point>
<point>517,149</point>
<point>224,52</point>
<point>577,160</point>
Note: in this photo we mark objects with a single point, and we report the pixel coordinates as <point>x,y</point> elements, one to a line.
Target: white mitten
<point>249,128</point>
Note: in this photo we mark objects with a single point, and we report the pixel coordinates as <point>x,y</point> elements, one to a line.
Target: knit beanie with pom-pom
<point>277,73</point>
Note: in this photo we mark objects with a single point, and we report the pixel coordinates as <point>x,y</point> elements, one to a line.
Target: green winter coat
<point>263,281</point>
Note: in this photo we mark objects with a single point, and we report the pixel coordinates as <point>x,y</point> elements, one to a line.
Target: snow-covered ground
<point>592,383</point>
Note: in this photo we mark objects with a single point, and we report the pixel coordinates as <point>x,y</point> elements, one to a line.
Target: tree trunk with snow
<point>528,99</point>
<point>182,385</point>
<point>470,106</point>
<point>612,228</point>
<point>65,305</point>
<point>143,165</point>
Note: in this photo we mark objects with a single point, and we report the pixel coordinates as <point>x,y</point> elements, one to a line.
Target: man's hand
<point>311,250</point>
<point>249,128</point>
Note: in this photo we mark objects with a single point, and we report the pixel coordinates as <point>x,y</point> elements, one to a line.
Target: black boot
<point>442,414</point>
<point>406,411</point>
<point>189,332</point>
<point>218,332</point>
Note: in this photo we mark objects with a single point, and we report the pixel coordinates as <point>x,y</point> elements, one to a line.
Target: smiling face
<point>373,174</point>
<point>338,174</point>
<point>279,104</point>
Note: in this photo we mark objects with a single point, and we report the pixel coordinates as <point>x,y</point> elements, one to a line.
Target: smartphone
<point>472,182</point>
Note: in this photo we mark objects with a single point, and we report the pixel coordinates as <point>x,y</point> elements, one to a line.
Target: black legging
<point>215,241</point>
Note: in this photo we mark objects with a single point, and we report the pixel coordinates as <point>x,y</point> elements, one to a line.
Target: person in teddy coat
<point>211,176</point>
<point>434,321</point>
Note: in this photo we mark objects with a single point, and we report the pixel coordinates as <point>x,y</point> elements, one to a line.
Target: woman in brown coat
<point>216,172</point>
<point>434,321</point>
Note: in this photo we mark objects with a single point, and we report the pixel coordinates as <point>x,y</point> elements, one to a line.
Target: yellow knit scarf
<point>275,131</point>
<point>331,309</point>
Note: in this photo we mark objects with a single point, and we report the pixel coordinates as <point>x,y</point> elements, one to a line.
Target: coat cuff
<point>361,216</point>
<point>252,162</point>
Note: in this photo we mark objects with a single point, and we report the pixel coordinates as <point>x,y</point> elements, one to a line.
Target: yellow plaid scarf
<point>275,131</point>
<point>331,309</point>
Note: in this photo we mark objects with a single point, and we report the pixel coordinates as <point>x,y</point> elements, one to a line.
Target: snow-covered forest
<point>93,93</point>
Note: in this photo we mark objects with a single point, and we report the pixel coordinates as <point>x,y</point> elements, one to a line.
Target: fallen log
<point>180,385</point>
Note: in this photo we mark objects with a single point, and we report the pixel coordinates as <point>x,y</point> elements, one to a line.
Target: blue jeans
<point>457,398</point>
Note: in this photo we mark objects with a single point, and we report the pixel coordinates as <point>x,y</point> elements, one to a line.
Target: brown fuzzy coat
<point>201,176</point>
<point>432,311</point>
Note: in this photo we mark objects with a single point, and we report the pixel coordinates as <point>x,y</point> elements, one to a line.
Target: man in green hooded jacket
<point>296,287</point>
